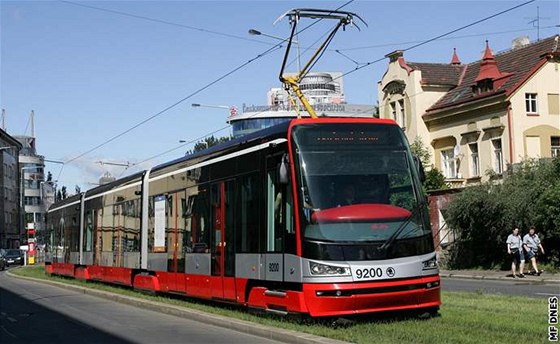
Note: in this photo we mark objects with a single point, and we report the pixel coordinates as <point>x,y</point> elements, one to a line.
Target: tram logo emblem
<point>390,272</point>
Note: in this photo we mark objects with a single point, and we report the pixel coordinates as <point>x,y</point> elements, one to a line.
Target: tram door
<point>222,253</point>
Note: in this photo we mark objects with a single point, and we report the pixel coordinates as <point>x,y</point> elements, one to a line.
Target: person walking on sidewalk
<point>515,250</point>
<point>531,244</point>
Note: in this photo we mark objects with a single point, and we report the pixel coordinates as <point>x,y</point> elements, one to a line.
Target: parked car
<point>2,260</point>
<point>14,257</point>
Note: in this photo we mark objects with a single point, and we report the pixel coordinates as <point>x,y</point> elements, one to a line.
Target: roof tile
<point>518,63</point>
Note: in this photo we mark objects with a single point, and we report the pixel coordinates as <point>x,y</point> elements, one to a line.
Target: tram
<point>314,217</point>
<point>321,217</point>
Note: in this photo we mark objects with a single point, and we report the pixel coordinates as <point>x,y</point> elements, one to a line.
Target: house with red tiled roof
<point>481,117</point>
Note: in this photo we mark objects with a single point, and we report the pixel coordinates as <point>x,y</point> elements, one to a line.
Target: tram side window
<point>201,225</point>
<point>75,235</point>
<point>275,218</point>
<point>280,219</point>
<point>247,220</point>
<point>88,242</point>
<point>188,216</point>
<point>107,227</point>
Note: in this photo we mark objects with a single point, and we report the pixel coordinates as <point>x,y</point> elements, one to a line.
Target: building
<point>324,91</point>
<point>10,229</point>
<point>32,171</point>
<point>478,118</point>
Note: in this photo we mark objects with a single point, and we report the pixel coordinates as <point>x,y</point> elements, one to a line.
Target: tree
<point>208,142</point>
<point>418,148</point>
<point>484,215</point>
<point>435,180</point>
<point>64,194</point>
<point>49,176</point>
<point>77,189</point>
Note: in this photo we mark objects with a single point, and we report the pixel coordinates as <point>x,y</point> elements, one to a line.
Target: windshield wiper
<point>389,242</point>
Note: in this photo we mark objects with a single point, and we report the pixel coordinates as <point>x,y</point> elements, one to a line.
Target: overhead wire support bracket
<point>291,82</point>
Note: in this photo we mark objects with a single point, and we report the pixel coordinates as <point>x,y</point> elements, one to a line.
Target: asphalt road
<point>32,312</point>
<point>513,287</point>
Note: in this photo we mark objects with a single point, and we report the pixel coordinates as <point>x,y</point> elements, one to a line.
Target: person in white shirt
<point>515,250</point>
<point>531,244</point>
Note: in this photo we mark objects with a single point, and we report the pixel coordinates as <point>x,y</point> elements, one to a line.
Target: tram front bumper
<point>368,297</point>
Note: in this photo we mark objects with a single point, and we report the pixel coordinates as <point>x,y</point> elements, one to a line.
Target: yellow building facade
<point>478,119</point>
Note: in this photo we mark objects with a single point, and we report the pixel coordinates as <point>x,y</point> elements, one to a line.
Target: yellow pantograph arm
<point>293,83</point>
<point>294,104</point>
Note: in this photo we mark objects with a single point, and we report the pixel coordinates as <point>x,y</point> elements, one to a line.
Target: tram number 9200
<point>273,267</point>
<point>367,273</point>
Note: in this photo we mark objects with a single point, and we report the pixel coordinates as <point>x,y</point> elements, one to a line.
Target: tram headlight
<point>330,270</point>
<point>430,264</point>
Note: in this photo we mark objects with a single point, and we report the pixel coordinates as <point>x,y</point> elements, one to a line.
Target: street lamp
<point>259,33</point>
<point>211,106</point>
<point>113,163</point>
<point>232,109</point>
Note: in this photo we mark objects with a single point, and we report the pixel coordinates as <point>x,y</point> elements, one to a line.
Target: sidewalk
<point>545,277</point>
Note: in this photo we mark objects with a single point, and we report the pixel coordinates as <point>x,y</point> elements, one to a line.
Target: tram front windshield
<point>358,193</point>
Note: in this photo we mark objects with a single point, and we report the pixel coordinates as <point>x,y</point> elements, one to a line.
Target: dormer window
<point>483,86</point>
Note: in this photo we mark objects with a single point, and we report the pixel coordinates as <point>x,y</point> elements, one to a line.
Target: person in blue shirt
<point>531,244</point>
<point>515,250</point>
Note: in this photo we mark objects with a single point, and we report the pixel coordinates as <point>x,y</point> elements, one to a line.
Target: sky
<point>92,70</point>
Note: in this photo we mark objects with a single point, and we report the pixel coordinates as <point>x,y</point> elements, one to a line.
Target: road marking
<point>546,294</point>
<point>11,319</point>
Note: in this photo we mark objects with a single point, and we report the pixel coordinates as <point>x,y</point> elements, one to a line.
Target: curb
<point>287,336</point>
<point>497,278</point>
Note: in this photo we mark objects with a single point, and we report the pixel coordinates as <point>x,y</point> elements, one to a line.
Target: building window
<point>448,163</point>
<point>555,146</point>
<point>531,102</point>
<point>498,163</point>
<point>394,110</point>
<point>402,114</point>
<point>475,165</point>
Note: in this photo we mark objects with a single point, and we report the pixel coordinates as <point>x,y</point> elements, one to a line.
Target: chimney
<point>520,42</point>
<point>395,55</point>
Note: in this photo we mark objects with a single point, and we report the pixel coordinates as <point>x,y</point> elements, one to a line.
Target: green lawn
<point>464,318</point>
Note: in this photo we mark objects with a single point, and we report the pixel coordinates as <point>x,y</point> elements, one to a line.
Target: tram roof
<point>114,184</point>
<point>279,130</point>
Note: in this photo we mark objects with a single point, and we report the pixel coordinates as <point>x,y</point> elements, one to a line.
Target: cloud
<point>86,173</point>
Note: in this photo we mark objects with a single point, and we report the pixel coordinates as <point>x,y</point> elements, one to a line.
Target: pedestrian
<point>515,250</point>
<point>531,244</point>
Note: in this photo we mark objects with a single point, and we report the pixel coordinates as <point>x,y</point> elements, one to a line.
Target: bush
<point>483,216</point>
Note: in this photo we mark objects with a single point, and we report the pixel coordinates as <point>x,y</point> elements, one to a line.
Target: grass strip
<point>464,318</point>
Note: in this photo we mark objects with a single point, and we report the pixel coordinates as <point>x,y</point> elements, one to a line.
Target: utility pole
<point>32,119</point>
<point>537,23</point>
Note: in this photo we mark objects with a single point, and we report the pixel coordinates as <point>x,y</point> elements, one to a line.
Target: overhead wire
<point>358,67</point>
<point>272,49</point>
<point>266,52</point>
<point>366,64</point>
<point>448,38</point>
<point>160,21</point>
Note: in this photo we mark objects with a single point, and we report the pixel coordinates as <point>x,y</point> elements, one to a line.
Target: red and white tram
<point>315,217</point>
